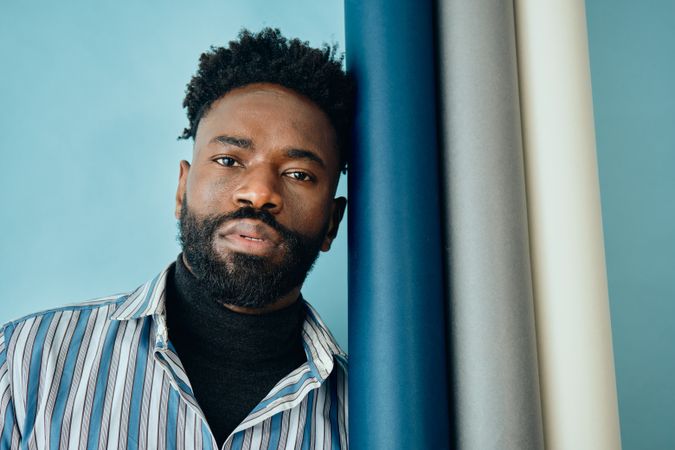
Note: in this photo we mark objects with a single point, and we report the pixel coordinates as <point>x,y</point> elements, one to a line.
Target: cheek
<point>208,195</point>
<point>308,215</point>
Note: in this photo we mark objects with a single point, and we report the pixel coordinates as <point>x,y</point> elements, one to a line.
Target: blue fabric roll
<point>397,333</point>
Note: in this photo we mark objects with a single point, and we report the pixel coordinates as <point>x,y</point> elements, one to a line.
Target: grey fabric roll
<point>495,381</point>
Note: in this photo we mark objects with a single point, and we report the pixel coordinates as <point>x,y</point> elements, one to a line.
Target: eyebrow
<point>296,153</point>
<point>231,140</point>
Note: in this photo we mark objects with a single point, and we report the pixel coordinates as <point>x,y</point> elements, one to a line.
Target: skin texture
<point>267,147</point>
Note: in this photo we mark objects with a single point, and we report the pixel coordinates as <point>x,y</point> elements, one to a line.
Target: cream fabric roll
<point>568,265</point>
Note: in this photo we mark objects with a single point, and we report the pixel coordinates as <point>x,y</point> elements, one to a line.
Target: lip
<point>249,236</point>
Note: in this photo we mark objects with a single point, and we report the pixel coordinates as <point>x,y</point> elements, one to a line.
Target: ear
<point>182,185</point>
<point>339,205</point>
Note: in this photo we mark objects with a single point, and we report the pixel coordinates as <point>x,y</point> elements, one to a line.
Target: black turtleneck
<point>232,360</point>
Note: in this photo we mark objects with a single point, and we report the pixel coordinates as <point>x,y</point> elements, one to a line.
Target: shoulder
<point>143,301</point>
<point>38,350</point>
<point>36,326</point>
<point>93,304</point>
<point>97,306</point>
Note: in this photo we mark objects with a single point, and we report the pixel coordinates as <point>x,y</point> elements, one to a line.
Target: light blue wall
<point>90,96</point>
<point>632,47</point>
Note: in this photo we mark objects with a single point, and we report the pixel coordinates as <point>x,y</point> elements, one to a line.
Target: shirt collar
<point>148,300</point>
<point>320,345</point>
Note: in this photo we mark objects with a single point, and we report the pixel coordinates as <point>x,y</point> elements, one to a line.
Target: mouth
<point>248,236</point>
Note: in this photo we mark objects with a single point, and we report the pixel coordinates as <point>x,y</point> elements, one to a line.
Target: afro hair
<point>268,57</point>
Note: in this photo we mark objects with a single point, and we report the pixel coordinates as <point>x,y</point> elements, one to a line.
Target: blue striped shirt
<point>103,374</point>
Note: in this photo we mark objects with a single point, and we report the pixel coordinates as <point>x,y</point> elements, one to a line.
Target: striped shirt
<point>103,374</point>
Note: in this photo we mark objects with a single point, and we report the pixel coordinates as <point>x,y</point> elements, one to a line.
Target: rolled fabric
<point>495,382</point>
<point>570,285</point>
<point>398,376</point>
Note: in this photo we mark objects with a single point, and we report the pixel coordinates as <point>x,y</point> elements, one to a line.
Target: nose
<point>260,190</point>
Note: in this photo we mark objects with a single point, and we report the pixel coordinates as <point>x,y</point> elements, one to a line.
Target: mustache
<point>248,212</point>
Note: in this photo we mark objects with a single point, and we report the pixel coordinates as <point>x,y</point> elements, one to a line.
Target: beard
<point>241,279</point>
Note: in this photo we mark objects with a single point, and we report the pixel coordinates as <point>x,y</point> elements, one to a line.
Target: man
<point>219,350</point>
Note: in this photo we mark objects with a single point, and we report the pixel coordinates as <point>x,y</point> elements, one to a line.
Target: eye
<point>227,161</point>
<point>299,175</point>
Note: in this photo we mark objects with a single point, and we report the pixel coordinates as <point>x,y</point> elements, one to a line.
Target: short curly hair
<point>268,57</point>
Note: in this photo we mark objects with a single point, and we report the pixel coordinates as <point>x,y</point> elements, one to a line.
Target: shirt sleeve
<point>10,437</point>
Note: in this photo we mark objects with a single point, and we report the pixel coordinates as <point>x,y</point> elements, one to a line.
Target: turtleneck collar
<point>219,332</point>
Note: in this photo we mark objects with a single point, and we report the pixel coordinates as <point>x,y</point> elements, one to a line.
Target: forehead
<point>269,115</point>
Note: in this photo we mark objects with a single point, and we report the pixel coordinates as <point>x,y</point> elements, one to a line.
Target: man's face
<point>256,205</point>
